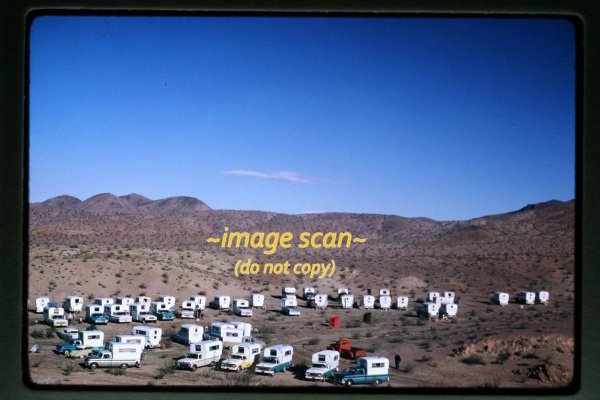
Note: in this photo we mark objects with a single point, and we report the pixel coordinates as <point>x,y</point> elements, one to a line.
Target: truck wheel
<point>93,365</point>
<point>349,383</point>
<point>124,366</point>
<point>377,382</point>
<point>239,369</point>
<point>137,364</point>
<point>67,353</point>
<point>194,367</point>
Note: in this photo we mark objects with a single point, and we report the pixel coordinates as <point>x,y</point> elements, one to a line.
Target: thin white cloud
<point>285,176</point>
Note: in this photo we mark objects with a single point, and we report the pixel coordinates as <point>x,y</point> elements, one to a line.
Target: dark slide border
<point>14,180</point>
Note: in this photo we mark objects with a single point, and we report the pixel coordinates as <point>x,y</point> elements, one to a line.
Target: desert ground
<point>112,247</point>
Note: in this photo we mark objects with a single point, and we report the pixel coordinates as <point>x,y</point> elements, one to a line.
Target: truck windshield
<point>319,366</point>
<point>271,360</point>
<point>238,357</point>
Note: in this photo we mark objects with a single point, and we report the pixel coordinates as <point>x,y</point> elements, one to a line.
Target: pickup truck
<point>195,360</point>
<point>97,319</point>
<point>367,370</point>
<point>68,333</point>
<point>291,311</point>
<point>344,347</point>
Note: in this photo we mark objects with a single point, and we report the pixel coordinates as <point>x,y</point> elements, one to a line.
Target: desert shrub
<point>115,371</point>
<point>531,356</point>
<point>423,358</point>
<point>408,368</point>
<point>168,367</point>
<point>314,341</point>
<point>473,359</point>
<point>68,369</point>
<point>502,357</point>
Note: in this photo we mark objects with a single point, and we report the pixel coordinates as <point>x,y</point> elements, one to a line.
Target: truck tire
<point>67,353</point>
<point>137,364</point>
<point>124,366</point>
<point>377,382</point>
<point>93,366</point>
<point>349,383</point>
<point>194,367</point>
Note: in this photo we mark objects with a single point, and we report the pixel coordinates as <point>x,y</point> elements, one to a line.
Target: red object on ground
<point>335,322</point>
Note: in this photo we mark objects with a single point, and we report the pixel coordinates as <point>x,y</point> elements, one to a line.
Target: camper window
<point>94,337</point>
<point>321,357</point>
<point>378,365</point>
<point>289,352</point>
<point>273,352</point>
<point>215,347</point>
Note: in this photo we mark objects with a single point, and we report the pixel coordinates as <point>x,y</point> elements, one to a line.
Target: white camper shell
<point>242,356</point>
<point>188,308</point>
<point>384,292</point>
<point>402,302</point>
<point>347,300</point>
<point>115,355</point>
<point>448,310</point>
<point>325,364</point>
<point>342,291</point>
<point>55,316</point>
<point>103,301</point>
<point>242,308</point>
<point>152,335</point>
<point>141,312</point>
<point>143,300</point>
<point>385,302</point>
<point>93,309</point>
<point>257,300</point>
<point>200,301</point>
<point>289,301</point>
<point>501,298</point>
<point>40,303</point>
<point>448,298</point>
<point>132,339</point>
<point>244,326</point>
<point>288,291</point>
<point>117,313</point>
<point>189,333</point>
<point>321,301</point>
<point>170,301</point>
<point>221,302</point>
<point>542,297</point>
<point>73,304</point>
<point>206,352</point>
<point>368,301</point>
<point>434,297</point>
<point>226,332</point>
<point>525,297</point>
<point>125,301</point>
<point>428,309</point>
<point>308,291</point>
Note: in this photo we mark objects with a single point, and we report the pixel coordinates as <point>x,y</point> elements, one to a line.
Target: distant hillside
<point>131,204</point>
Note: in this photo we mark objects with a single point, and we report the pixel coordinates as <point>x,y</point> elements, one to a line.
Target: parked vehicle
<point>200,301</point>
<point>85,340</point>
<point>342,291</point>
<point>73,304</point>
<point>346,350</point>
<point>132,339</point>
<point>170,301</point>
<point>325,364</point>
<point>162,311</point>
<point>428,310</point>
<point>402,303</point>
<point>321,301</point>
<point>500,298</point>
<point>188,309</point>
<point>289,301</point>
<point>367,370</point>
<point>291,311</point>
<point>68,333</point>
<point>368,302</point>
<point>102,301</point>
<point>308,292</point>
<point>95,314</point>
<point>347,301</point>
<point>384,292</point>
<point>41,303</point>
<point>526,297</point>
<point>276,358</point>
<point>206,352</point>
<point>188,333</point>
<point>55,316</point>
<point>448,297</point>
<point>242,356</point>
<point>242,308</point>
<point>257,300</point>
<point>220,302</point>
<point>542,297</point>
<point>448,310</point>
<point>225,332</point>
<point>245,327</point>
<point>288,291</point>
<point>385,302</point>
<point>153,335</point>
<point>125,301</point>
<point>143,300</point>
<point>252,339</point>
<point>118,313</point>
<point>434,297</point>
<point>141,312</point>
<point>115,355</point>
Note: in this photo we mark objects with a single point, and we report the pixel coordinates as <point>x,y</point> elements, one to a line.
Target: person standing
<point>69,318</point>
<point>397,360</point>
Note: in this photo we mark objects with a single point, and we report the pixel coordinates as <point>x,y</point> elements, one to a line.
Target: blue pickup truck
<point>367,370</point>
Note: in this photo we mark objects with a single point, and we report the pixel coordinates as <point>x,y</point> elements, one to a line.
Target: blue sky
<point>442,118</point>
